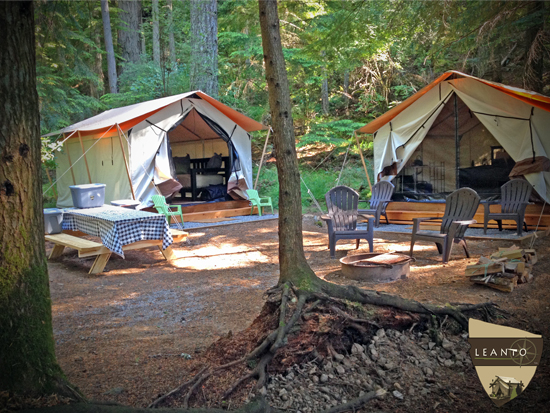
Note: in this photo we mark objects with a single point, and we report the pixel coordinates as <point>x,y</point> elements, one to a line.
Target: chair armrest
<point>326,218</point>
<point>417,221</point>
<point>178,207</point>
<point>265,198</point>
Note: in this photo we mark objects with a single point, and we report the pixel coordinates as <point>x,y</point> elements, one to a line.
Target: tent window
<point>458,151</point>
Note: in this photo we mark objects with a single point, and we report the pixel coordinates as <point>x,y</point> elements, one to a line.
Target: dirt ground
<point>127,335</point>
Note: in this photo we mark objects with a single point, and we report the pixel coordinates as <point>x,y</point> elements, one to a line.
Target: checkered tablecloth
<point>118,226</point>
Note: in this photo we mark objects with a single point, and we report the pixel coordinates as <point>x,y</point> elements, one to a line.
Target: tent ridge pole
<point>125,162</point>
<point>262,158</point>
<point>363,160</point>
<point>85,159</point>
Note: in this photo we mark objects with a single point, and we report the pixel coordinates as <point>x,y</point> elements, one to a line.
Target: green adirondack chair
<point>255,200</point>
<point>163,208</point>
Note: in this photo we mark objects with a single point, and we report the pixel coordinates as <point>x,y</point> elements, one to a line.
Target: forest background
<point>347,63</point>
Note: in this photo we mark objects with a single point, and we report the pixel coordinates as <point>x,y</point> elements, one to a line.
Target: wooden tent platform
<point>201,211</point>
<point>404,212</point>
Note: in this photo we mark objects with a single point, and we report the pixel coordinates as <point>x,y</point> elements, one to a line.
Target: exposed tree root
<point>329,299</point>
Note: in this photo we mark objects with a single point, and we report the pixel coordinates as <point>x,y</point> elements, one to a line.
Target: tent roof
<point>531,98</point>
<point>128,116</point>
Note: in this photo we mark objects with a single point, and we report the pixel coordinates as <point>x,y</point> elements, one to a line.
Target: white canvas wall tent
<point>463,131</point>
<point>131,149</point>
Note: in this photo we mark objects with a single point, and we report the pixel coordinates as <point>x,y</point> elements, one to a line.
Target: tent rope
<point>537,227</point>
<point>311,195</point>
<point>81,156</point>
<point>344,164</point>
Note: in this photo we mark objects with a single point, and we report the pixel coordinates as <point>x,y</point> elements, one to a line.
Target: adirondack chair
<point>381,196</point>
<point>460,208</point>
<point>514,198</point>
<point>255,200</point>
<point>342,218</point>
<point>159,203</point>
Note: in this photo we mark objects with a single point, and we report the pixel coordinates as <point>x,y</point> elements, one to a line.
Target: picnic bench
<point>119,229</point>
<point>88,248</point>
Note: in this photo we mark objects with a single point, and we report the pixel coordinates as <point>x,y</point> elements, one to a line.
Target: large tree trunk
<point>204,46</point>
<point>129,36</point>
<point>27,356</point>
<point>171,41</point>
<point>292,261</point>
<point>156,32</point>
<point>108,37</point>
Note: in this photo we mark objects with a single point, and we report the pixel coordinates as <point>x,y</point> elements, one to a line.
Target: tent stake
<point>70,163</point>
<point>363,160</point>
<point>125,162</point>
<point>85,160</point>
<point>262,159</point>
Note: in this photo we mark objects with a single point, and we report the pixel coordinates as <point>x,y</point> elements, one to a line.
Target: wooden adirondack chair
<point>159,203</point>
<point>514,198</point>
<point>381,196</point>
<point>342,218</point>
<point>460,208</point>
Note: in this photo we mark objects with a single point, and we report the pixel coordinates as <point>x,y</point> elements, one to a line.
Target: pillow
<point>215,162</point>
<point>182,164</point>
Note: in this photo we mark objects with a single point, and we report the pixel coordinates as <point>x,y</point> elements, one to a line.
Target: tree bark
<point>129,36</point>
<point>142,29</point>
<point>27,356</point>
<point>108,37</point>
<point>156,32</point>
<point>204,46</point>
<point>171,41</point>
<point>292,261</point>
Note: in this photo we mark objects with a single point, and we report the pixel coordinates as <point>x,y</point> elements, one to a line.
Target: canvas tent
<point>463,131</point>
<point>130,149</point>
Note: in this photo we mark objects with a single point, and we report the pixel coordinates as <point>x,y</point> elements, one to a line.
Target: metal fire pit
<point>357,267</point>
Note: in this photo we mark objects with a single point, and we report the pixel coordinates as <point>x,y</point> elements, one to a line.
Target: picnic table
<point>119,229</point>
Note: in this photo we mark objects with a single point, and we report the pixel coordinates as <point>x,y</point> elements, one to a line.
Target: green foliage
<point>318,181</point>
<point>337,132</point>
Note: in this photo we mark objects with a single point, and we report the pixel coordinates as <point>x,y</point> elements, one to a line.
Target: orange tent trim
<point>531,98</point>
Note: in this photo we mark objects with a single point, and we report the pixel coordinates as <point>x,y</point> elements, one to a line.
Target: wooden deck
<point>404,212</point>
<point>201,210</point>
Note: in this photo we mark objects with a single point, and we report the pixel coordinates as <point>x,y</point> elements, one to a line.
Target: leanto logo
<point>505,359</point>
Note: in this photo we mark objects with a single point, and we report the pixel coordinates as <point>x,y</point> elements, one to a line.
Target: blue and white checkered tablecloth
<point>118,226</point>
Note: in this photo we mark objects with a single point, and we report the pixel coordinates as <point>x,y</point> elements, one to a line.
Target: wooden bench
<point>88,248</point>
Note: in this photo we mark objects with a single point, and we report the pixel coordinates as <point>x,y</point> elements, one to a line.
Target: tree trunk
<point>27,356</point>
<point>171,42</point>
<point>204,46</point>
<point>156,32</point>
<point>324,87</point>
<point>108,37</point>
<point>143,48</point>
<point>97,86</point>
<point>292,261</point>
<point>129,36</point>
<point>534,47</point>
